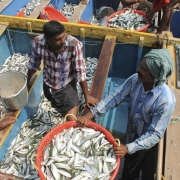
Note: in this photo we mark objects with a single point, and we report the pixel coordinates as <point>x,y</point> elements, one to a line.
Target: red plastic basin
<point>51,13</point>
<point>57,130</point>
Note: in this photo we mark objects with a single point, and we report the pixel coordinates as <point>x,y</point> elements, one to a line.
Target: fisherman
<point>64,65</point>
<point>151,103</point>
<point>168,9</point>
<point>166,5</point>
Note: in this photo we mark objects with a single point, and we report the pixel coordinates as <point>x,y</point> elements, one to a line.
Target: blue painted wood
<point>21,41</point>
<point>5,50</point>
<point>139,56</point>
<point>14,7</point>
<point>113,3</point>
<point>57,4</point>
<point>28,111</point>
<point>175,24</point>
<point>88,12</point>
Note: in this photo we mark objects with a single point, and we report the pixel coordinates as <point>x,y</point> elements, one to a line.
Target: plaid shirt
<point>61,70</point>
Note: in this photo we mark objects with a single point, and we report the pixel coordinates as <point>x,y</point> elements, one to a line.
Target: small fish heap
<point>79,154</point>
<point>95,20</point>
<point>30,7</point>
<point>68,10</point>
<point>24,145</point>
<point>16,62</point>
<point>128,21</point>
<point>91,64</point>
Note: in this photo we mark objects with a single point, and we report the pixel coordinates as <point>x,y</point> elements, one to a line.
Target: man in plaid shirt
<point>64,65</point>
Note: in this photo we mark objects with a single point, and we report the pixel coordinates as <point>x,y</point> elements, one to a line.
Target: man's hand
<point>4,176</point>
<point>120,151</point>
<point>91,101</point>
<point>83,120</point>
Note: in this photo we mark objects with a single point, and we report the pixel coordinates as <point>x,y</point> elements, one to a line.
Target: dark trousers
<point>143,159</point>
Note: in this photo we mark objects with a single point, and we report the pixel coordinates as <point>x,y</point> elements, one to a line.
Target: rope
<point>33,162</point>
<point>161,177</point>
<point>118,142</point>
<point>174,119</point>
<point>69,115</point>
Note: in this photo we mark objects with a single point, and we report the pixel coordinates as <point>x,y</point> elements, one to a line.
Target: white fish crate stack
<point>77,153</point>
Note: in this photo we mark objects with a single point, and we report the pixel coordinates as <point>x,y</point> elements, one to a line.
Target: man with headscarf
<point>151,103</point>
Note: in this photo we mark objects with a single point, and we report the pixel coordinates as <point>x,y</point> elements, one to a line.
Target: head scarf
<point>160,64</point>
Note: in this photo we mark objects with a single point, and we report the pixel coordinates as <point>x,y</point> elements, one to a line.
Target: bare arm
<point>167,13</point>
<point>83,120</point>
<point>89,99</point>
<point>31,73</point>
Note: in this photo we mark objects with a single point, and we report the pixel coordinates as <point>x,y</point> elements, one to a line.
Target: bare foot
<point>84,1</point>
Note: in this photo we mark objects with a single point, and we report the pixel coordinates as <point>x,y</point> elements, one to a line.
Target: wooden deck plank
<point>102,69</point>
<point>37,10</point>
<point>3,27</point>
<point>14,114</point>
<point>4,4</point>
<point>78,12</point>
<point>172,138</point>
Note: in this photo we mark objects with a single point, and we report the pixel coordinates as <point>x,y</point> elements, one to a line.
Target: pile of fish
<point>79,153</point>
<point>24,146</point>
<point>68,10</point>
<point>16,62</point>
<point>95,20</point>
<point>91,64</point>
<point>128,20</point>
<point>30,7</point>
<point>17,158</point>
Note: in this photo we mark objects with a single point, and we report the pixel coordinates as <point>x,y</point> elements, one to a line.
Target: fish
<point>94,165</point>
<point>128,20</point>
<point>17,159</point>
<point>68,9</point>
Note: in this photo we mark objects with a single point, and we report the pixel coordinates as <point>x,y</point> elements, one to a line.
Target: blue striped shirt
<point>149,112</point>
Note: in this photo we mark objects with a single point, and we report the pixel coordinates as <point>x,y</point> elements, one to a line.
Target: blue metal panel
<point>113,3</point>
<point>124,61</point>
<point>5,50</point>
<point>59,4</point>
<point>175,24</point>
<point>28,111</point>
<point>88,12</point>
<point>139,56</point>
<point>14,7</point>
